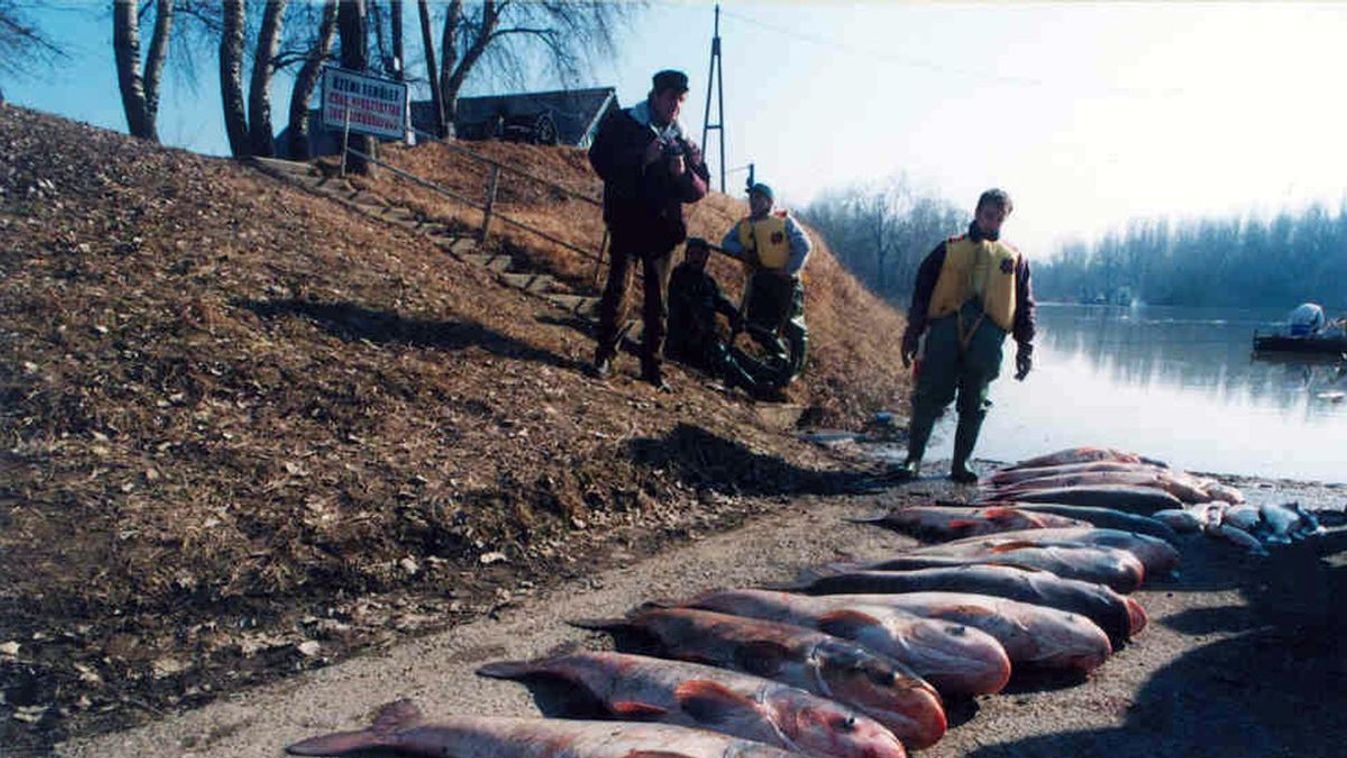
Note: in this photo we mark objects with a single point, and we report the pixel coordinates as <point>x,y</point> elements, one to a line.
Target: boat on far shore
<point>1313,344</point>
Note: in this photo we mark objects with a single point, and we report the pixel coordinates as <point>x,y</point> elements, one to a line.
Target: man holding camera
<point>649,167</point>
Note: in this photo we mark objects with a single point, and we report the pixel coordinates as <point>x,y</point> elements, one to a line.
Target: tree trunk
<point>453,18</point>
<point>154,60</point>
<point>259,95</point>
<point>432,72</point>
<point>231,78</point>
<point>451,85</point>
<point>126,49</point>
<point>306,80</point>
<point>395,21</point>
<point>355,57</point>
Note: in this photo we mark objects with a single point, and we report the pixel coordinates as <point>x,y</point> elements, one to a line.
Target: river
<point>1178,384</point>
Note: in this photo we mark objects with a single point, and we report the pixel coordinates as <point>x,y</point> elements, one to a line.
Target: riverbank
<point>1243,656</point>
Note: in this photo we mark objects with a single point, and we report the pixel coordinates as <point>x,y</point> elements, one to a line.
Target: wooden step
<point>530,282</point>
<point>284,166</point>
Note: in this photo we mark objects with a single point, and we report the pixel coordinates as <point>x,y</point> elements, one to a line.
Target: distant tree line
<point>882,231</point>
<point>1236,260</point>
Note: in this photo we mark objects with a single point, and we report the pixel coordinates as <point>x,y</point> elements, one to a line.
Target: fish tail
<point>600,624</point>
<point>399,714</point>
<point>867,519</point>
<point>507,670</point>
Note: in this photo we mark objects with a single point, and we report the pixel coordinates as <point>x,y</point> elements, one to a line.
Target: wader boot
<point>965,438</point>
<point>918,434</point>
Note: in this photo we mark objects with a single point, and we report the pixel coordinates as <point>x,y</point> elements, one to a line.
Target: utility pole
<point>717,69</point>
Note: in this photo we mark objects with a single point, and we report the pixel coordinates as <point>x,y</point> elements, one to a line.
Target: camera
<point>673,149</point>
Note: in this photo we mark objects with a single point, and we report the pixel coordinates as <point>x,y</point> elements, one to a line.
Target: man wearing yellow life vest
<point>775,248</point>
<point>971,292</point>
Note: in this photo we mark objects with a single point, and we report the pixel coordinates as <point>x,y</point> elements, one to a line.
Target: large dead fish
<point>1181,484</point>
<point>1084,454</point>
<point>1107,518</point>
<point>1033,635</point>
<point>1142,500</point>
<point>640,688</point>
<point>1176,484</point>
<point>955,658</point>
<point>1118,569</point>
<point>1119,616</point>
<point>1002,477</point>
<point>1159,557</point>
<point>947,523</point>
<point>398,729</point>
<point>828,666</point>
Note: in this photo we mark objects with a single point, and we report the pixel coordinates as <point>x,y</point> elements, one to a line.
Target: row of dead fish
<point>851,660</point>
<point>1120,481</point>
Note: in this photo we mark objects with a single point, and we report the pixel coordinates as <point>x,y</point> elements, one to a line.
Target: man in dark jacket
<point>694,339</point>
<point>971,291</point>
<point>649,167</point>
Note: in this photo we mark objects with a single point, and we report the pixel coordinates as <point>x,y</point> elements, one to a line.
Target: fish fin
<point>708,701</point>
<point>634,709</point>
<point>761,657</point>
<point>399,714</point>
<point>846,622</point>
<point>601,624</point>
<point>508,670</point>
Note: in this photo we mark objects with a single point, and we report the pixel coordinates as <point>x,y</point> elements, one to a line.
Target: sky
<point>1089,114</point>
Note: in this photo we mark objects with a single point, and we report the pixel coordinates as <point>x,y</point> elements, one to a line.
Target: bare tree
<point>351,27</point>
<point>307,79</point>
<point>140,94</point>
<point>506,35</point>
<point>432,73</point>
<point>231,77</point>
<point>24,48</point>
<point>259,94</point>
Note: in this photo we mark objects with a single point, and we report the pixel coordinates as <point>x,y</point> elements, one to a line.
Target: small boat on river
<point>1283,343</point>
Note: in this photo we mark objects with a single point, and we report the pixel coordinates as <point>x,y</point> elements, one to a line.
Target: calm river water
<point>1179,384</point>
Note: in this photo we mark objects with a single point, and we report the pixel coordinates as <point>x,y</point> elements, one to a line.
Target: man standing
<point>775,248</point>
<point>970,292</point>
<point>649,167</point>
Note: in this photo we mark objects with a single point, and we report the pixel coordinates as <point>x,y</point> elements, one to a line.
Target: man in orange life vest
<point>776,247</point>
<point>971,292</point>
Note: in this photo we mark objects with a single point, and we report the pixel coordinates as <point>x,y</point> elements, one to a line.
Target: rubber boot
<point>965,439</point>
<point>918,434</point>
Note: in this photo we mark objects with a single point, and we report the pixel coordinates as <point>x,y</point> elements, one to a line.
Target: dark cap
<point>670,79</point>
<point>762,189</point>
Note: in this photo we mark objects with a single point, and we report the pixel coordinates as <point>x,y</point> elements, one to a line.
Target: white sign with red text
<point>369,104</point>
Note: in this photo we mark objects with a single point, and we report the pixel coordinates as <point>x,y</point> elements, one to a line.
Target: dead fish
<point>946,522</point>
<point>1083,455</point>
<point>1244,516</point>
<point>1107,518</point>
<point>1237,536</point>
<point>1142,500</point>
<point>1118,569</point>
<point>956,659</point>
<point>1119,616</point>
<point>1033,635</point>
<point>1181,519</point>
<point>1309,523</point>
<point>1174,483</point>
<point>399,728</point>
<point>1218,491</point>
<point>1159,557</point>
<point>1002,477</point>
<point>637,687</point>
<point>828,666</point>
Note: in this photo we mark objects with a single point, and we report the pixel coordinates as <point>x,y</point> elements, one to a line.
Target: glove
<point>909,349</point>
<point>1024,360</point>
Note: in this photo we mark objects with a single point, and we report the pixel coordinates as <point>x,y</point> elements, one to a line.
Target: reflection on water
<point>1177,383</point>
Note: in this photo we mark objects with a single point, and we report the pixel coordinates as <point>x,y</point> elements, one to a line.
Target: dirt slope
<point>247,432</point>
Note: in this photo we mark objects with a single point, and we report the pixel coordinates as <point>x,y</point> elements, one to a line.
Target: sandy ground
<point>1243,656</point>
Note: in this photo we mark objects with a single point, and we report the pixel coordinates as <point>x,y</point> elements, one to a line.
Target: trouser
<point>949,368</point>
<point>655,269</point>
<point>776,320</point>
<point>724,362</point>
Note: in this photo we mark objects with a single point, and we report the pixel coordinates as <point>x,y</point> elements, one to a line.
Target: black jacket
<point>644,204</point>
<point>694,301</point>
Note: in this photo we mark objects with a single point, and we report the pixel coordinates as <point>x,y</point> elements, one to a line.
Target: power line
<point>927,65</point>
